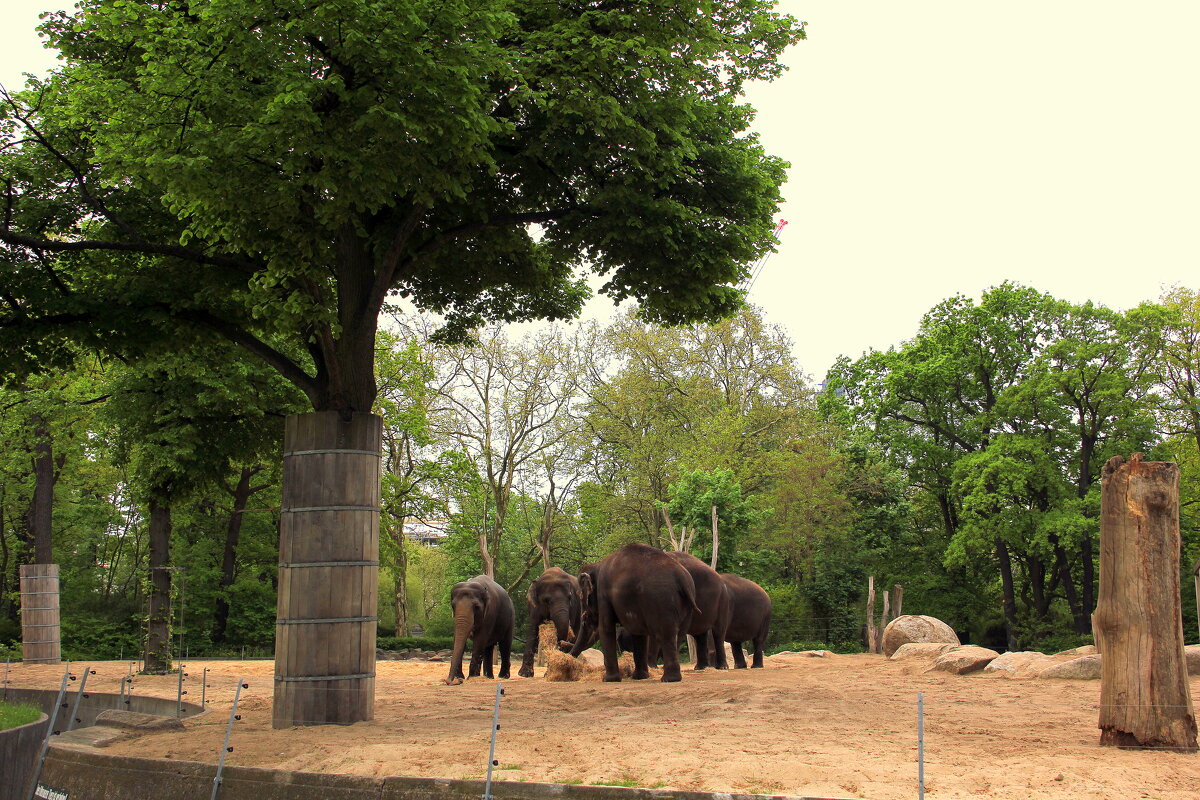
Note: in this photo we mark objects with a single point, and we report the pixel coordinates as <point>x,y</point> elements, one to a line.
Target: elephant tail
<point>688,592</point>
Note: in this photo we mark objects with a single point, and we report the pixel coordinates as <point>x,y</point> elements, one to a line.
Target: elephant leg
<point>641,644</point>
<point>607,627</point>
<point>489,655</point>
<point>476,661</point>
<point>701,652</point>
<point>759,643</point>
<point>505,653</point>
<point>670,657</point>
<point>718,638</point>
<point>739,658</point>
<point>531,645</point>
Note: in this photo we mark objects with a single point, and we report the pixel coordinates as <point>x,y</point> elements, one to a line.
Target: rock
<point>1020,664</point>
<point>963,659</point>
<point>592,658</point>
<point>920,650</point>
<point>816,653</point>
<point>1084,668</point>
<point>563,667</point>
<point>1192,654</point>
<point>912,628</point>
<point>1086,650</point>
<point>132,720</point>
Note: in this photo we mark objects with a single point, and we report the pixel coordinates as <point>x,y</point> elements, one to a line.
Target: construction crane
<point>757,269</point>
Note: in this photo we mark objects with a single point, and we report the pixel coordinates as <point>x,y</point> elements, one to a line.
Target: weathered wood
<point>884,618</point>
<point>872,632</point>
<point>716,541</point>
<point>897,601</point>
<point>40,631</point>
<point>1144,696</point>
<point>328,570</point>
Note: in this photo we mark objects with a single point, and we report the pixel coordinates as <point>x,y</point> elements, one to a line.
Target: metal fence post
<point>228,733</point>
<point>180,692</point>
<point>487,791</point>
<point>204,688</point>
<point>37,769</point>
<point>6,663</point>
<point>79,695</point>
<point>921,745</point>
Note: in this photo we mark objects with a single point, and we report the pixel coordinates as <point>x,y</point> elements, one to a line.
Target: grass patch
<point>13,715</point>
<point>510,766</point>
<point>626,781</point>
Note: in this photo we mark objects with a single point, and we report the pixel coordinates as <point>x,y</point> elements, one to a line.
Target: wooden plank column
<point>40,631</point>
<point>1144,697</point>
<point>328,570</point>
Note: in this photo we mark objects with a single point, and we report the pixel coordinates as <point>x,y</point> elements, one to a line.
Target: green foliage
<point>841,647</point>
<point>693,496</point>
<point>414,642</point>
<point>14,715</point>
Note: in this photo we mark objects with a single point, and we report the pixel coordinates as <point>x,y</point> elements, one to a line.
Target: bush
<point>414,642</point>
<point>1057,642</point>
<point>833,647</point>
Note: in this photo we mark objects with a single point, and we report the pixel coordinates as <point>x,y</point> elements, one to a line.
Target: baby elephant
<point>483,613</point>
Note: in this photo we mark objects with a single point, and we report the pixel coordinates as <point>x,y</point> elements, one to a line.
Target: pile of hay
<point>563,667</point>
<point>547,642</point>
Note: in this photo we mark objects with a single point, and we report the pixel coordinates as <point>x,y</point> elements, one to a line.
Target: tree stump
<point>328,570</point>
<point>1144,697</point>
<point>40,638</point>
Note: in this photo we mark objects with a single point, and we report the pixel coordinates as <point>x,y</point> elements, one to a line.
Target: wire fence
<point>930,738</point>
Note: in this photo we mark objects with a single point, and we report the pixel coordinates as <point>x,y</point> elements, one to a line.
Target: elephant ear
<point>585,588</point>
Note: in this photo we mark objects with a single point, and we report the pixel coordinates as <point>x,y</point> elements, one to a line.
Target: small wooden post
<point>897,601</point>
<point>872,634</point>
<point>715,540</point>
<point>1144,696</point>
<point>884,619</point>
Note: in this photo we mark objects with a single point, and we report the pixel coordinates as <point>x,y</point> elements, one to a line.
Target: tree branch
<point>146,248</point>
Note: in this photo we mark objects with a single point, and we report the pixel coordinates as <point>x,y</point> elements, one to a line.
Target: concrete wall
<point>87,774</point>
<point>93,703</point>
<point>18,748</point>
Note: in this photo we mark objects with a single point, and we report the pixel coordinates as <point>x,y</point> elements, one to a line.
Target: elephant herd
<point>655,596</point>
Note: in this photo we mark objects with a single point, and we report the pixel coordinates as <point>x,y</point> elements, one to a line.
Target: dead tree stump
<point>1144,697</point>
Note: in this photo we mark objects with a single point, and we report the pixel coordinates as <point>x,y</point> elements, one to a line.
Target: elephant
<point>714,603</point>
<point>750,620</point>
<point>648,594</point>
<point>483,612</point>
<point>553,596</point>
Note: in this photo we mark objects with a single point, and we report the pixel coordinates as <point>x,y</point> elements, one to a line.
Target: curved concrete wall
<point>86,774</point>
<point>92,703</point>
<point>18,748</point>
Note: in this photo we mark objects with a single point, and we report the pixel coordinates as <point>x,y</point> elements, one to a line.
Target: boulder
<point>1084,668</point>
<point>1086,650</point>
<point>913,628</point>
<point>928,650</point>
<point>1019,664</point>
<point>963,659</point>
<point>1192,653</point>
<point>592,658</point>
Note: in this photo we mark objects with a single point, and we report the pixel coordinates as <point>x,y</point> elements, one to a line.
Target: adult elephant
<point>713,603</point>
<point>483,613</point>
<point>749,621</point>
<point>553,596</point>
<point>647,593</point>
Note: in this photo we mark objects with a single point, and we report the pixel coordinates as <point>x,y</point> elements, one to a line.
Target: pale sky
<point>942,146</point>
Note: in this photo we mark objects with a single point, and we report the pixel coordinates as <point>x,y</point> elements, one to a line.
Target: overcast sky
<point>941,147</point>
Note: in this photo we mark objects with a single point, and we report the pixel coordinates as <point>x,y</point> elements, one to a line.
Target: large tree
<point>272,174</point>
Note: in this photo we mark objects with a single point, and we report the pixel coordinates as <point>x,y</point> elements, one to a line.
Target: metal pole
<point>487,791</point>
<point>6,663</point>
<point>180,692</point>
<point>228,732</point>
<point>204,688</point>
<point>78,696</point>
<point>37,770</point>
<point>921,745</point>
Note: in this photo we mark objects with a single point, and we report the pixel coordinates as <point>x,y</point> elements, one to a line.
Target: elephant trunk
<point>464,623</point>
<point>561,616</point>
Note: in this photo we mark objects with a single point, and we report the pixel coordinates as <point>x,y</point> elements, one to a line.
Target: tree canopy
<point>272,174</point>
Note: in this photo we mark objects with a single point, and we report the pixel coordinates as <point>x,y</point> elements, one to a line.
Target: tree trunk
<point>897,601</point>
<point>1144,696</point>
<point>328,570</point>
<point>1009,594</point>
<point>158,625</point>
<point>233,533</point>
<point>872,634</point>
<point>41,506</point>
<point>401,579</point>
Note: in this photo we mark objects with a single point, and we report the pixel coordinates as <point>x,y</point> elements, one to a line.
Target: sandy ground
<point>837,727</point>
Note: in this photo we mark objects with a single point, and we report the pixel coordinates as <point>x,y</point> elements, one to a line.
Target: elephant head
<point>553,596</point>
